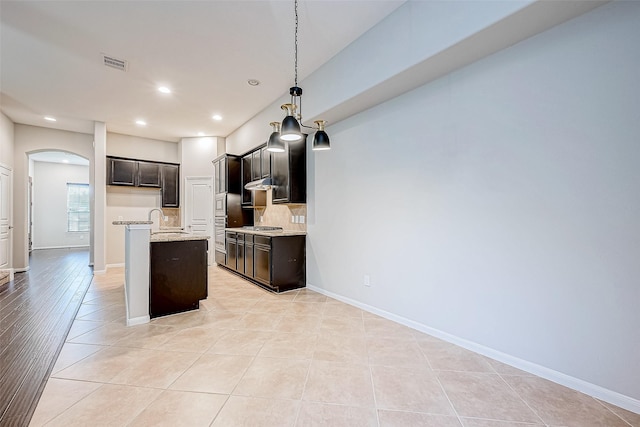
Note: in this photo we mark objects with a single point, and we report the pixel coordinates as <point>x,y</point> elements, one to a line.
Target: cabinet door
<point>248,259</point>
<point>222,181</point>
<point>178,276</point>
<point>216,176</point>
<point>121,172</point>
<point>170,186</point>
<point>262,264</point>
<point>232,254</point>
<point>280,176</point>
<point>240,254</point>
<point>256,165</point>
<point>246,178</point>
<point>149,174</point>
<point>266,162</point>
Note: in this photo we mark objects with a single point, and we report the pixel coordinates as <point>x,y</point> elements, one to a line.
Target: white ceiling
<point>205,51</point>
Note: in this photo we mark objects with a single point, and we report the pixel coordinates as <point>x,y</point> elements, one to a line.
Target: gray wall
<point>499,205</point>
<point>50,205</point>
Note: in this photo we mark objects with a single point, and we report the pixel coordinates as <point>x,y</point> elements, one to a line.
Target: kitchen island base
<point>178,276</point>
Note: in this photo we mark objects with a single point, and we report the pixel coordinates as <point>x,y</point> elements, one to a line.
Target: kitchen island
<point>272,259</point>
<point>178,272</point>
<point>165,271</point>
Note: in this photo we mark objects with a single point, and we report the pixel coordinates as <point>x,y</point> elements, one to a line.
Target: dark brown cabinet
<point>247,162</point>
<point>262,260</point>
<point>256,165</point>
<point>227,174</point>
<point>232,251</point>
<point>289,174</point>
<point>121,171</point>
<point>149,174</point>
<point>170,186</point>
<point>146,174</point>
<point>265,156</point>
<point>178,276</point>
<point>276,263</point>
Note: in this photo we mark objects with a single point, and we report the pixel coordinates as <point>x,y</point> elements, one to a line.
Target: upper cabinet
<point>265,156</point>
<point>289,173</point>
<point>142,173</point>
<point>121,171</point>
<point>170,186</point>
<point>227,174</point>
<point>149,174</point>
<point>247,168</point>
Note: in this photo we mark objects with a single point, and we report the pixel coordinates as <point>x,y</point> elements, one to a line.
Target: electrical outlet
<point>293,219</point>
<point>301,219</point>
<point>367,280</point>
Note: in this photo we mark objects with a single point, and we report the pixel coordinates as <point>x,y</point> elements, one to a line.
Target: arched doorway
<point>58,205</point>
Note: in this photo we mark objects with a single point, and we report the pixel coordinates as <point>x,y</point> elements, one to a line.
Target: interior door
<point>5,217</point>
<point>199,209</point>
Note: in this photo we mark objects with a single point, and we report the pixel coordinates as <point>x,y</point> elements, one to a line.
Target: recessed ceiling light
<point>253,82</point>
<point>164,89</point>
<point>65,161</point>
<point>200,133</point>
<point>50,119</point>
<point>216,117</point>
<point>141,123</point>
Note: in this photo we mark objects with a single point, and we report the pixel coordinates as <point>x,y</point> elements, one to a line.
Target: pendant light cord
<point>295,45</point>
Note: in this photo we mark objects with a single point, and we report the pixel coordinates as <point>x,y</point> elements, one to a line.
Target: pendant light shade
<point>321,139</point>
<point>290,126</point>
<point>275,144</point>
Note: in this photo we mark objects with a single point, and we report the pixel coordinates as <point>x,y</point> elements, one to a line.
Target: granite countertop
<point>175,236</point>
<point>133,222</point>
<point>270,233</point>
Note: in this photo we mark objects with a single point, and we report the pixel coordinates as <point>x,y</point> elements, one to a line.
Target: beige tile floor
<point>252,358</point>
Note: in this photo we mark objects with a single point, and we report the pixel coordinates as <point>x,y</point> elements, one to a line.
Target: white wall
<point>29,139</point>
<point>6,141</point>
<point>197,154</point>
<point>50,205</point>
<point>133,203</point>
<point>142,148</point>
<point>500,204</point>
<point>126,203</point>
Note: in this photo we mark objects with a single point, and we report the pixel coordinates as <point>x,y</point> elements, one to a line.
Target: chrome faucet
<point>159,210</point>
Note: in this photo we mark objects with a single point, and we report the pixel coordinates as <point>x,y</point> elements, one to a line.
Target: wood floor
<point>36,312</point>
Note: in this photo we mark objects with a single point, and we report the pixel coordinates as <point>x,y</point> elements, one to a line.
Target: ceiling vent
<point>112,62</point>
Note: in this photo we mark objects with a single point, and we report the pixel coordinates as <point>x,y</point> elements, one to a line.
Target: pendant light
<point>321,139</point>
<point>292,123</point>
<point>275,144</point>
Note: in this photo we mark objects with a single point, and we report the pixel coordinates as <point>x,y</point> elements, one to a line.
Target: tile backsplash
<point>281,215</point>
<point>173,217</point>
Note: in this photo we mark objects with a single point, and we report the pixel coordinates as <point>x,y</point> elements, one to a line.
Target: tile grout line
<point>522,399</point>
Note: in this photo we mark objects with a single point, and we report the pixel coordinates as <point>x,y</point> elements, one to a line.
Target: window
<point>77,207</point>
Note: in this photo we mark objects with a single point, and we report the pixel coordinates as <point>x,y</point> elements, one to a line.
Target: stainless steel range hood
<point>260,184</point>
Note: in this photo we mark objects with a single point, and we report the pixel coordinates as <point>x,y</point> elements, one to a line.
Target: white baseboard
<point>108,266</point>
<point>138,320</point>
<point>577,384</point>
<point>60,247</point>
<point>21,270</point>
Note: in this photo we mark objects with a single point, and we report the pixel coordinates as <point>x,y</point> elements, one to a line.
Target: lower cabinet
<point>178,276</point>
<point>274,262</point>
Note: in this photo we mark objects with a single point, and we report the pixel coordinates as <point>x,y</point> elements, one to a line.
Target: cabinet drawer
<point>248,238</point>
<point>262,240</point>
<point>240,237</point>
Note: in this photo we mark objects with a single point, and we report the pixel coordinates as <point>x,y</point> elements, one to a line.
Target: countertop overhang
<point>176,237</point>
<point>269,233</point>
